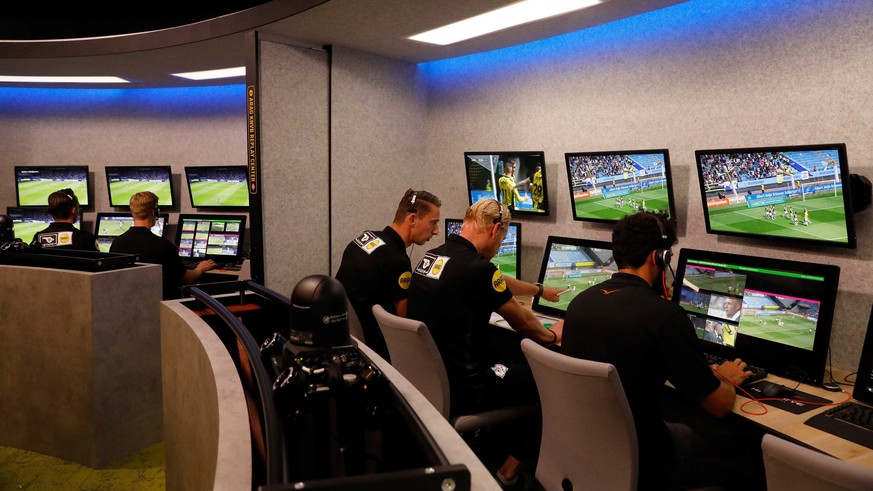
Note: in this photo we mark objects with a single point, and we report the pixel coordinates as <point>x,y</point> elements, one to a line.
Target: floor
<point>20,469</point>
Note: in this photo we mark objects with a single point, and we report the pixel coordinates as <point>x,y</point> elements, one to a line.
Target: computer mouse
<point>777,391</point>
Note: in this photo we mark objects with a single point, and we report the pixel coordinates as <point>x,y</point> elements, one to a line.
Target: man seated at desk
<point>150,248</point>
<point>454,290</point>
<point>650,340</point>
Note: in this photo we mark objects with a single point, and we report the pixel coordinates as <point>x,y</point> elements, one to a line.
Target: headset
<point>412,203</point>
<point>663,255</point>
<point>499,217</point>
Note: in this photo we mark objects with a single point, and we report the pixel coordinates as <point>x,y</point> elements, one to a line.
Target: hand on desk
<point>204,266</point>
<point>734,372</point>
<point>558,329</point>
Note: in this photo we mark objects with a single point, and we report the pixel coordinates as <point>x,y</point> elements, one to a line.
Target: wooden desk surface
<point>792,425</point>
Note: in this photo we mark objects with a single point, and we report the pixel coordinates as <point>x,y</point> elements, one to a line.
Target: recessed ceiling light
<point>502,18</point>
<point>61,80</point>
<point>239,71</point>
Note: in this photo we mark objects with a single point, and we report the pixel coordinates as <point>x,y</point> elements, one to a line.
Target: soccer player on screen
<point>536,188</point>
<point>806,221</point>
<point>508,193</point>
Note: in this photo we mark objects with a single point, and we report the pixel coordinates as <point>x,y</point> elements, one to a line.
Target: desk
<point>791,426</point>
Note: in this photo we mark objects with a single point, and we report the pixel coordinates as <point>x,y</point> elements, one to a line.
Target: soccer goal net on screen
<point>829,187</point>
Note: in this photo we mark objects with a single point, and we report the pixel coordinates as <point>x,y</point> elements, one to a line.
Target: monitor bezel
<point>517,226</point>
<point>166,168</point>
<point>244,170</point>
<point>544,307</point>
<point>671,202</point>
<point>219,258</point>
<point>851,239</point>
<point>777,358</point>
<point>89,198</point>
<point>542,158</point>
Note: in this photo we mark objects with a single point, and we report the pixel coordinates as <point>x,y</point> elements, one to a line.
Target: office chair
<point>355,328</point>
<point>790,466</point>
<point>415,355</point>
<point>589,439</point>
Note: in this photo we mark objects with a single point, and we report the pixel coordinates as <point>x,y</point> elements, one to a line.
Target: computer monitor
<point>508,258</point>
<point>606,186</point>
<point>124,182</point>
<point>206,236</point>
<point>111,225</point>
<point>484,170</point>
<point>34,184</point>
<point>772,313</point>
<point>27,221</point>
<point>790,193</point>
<point>218,186</point>
<point>572,266</point>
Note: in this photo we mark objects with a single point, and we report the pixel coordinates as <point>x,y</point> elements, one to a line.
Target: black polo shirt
<point>64,234</point>
<point>650,340</point>
<point>375,270</point>
<point>154,250</point>
<point>454,291</point>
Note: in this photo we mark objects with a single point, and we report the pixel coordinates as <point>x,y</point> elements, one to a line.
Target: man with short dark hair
<point>150,248</point>
<point>375,267</point>
<point>64,208</point>
<point>650,340</point>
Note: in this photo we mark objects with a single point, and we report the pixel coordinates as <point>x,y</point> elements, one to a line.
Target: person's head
<point>642,237</point>
<point>732,305</point>
<point>144,206</point>
<point>7,232</point>
<point>63,205</point>
<point>485,225</point>
<point>418,214</point>
<point>509,168</point>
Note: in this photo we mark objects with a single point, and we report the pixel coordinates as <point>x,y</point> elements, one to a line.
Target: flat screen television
<point>572,266</point>
<point>518,178</point>
<point>27,221</point>
<point>508,258</point>
<point>791,193</point>
<point>34,184</point>
<point>218,186</point>
<point>124,182</point>
<point>206,236</point>
<point>111,225</point>
<point>606,186</point>
<point>772,313</point>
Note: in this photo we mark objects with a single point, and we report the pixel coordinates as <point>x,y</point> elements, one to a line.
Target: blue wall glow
<point>189,101</point>
<point>702,23</point>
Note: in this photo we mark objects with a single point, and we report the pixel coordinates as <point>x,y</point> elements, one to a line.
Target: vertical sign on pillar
<point>256,222</point>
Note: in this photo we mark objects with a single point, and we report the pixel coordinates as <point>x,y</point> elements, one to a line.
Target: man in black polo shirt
<point>375,268</point>
<point>454,290</point>
<point>140,240</point>
<point>650,340</point>
<point>64,208</point>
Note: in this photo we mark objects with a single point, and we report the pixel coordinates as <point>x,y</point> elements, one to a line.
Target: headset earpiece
<point>663,255</point>
<point>499,217</point>
<point>412,203</point>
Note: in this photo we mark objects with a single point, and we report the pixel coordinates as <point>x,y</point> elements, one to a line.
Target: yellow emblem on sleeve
<point>498,282</point>
<point>405,279</point>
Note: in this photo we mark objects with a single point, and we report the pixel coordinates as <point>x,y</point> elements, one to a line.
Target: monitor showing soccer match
<point>791,193</point>
<point>517,179</point>
<point>772,313</point>
<point>216,186</point>
<point>124,182</point>
<point>27,221</point>
<point>606,186</point>
<point>572,266</point>
<point>508,258</point>
<point>111,225</point>
<point>34,184</point>
<point>216,237</point>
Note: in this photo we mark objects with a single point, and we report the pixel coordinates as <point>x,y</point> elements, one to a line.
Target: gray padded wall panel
<point>800,77</point>
<point>294,163</point>
<point>377,124</point>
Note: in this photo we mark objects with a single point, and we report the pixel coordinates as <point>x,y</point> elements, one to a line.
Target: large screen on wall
<point>34,184</point>
<point>518,179</point>
<point>124,182</point>
<point>218,186</point>
<point>791,193</point>
<point>605,186</point>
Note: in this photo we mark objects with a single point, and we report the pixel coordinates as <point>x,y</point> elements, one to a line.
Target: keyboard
<point>850,421</point>
<point>758,373</point>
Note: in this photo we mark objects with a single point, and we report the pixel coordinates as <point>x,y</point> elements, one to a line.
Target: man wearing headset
<point>64,208</point>
<point>140,240</point>
<point>626,322</point>
<point>375,268</point>
<point>454,290</point>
